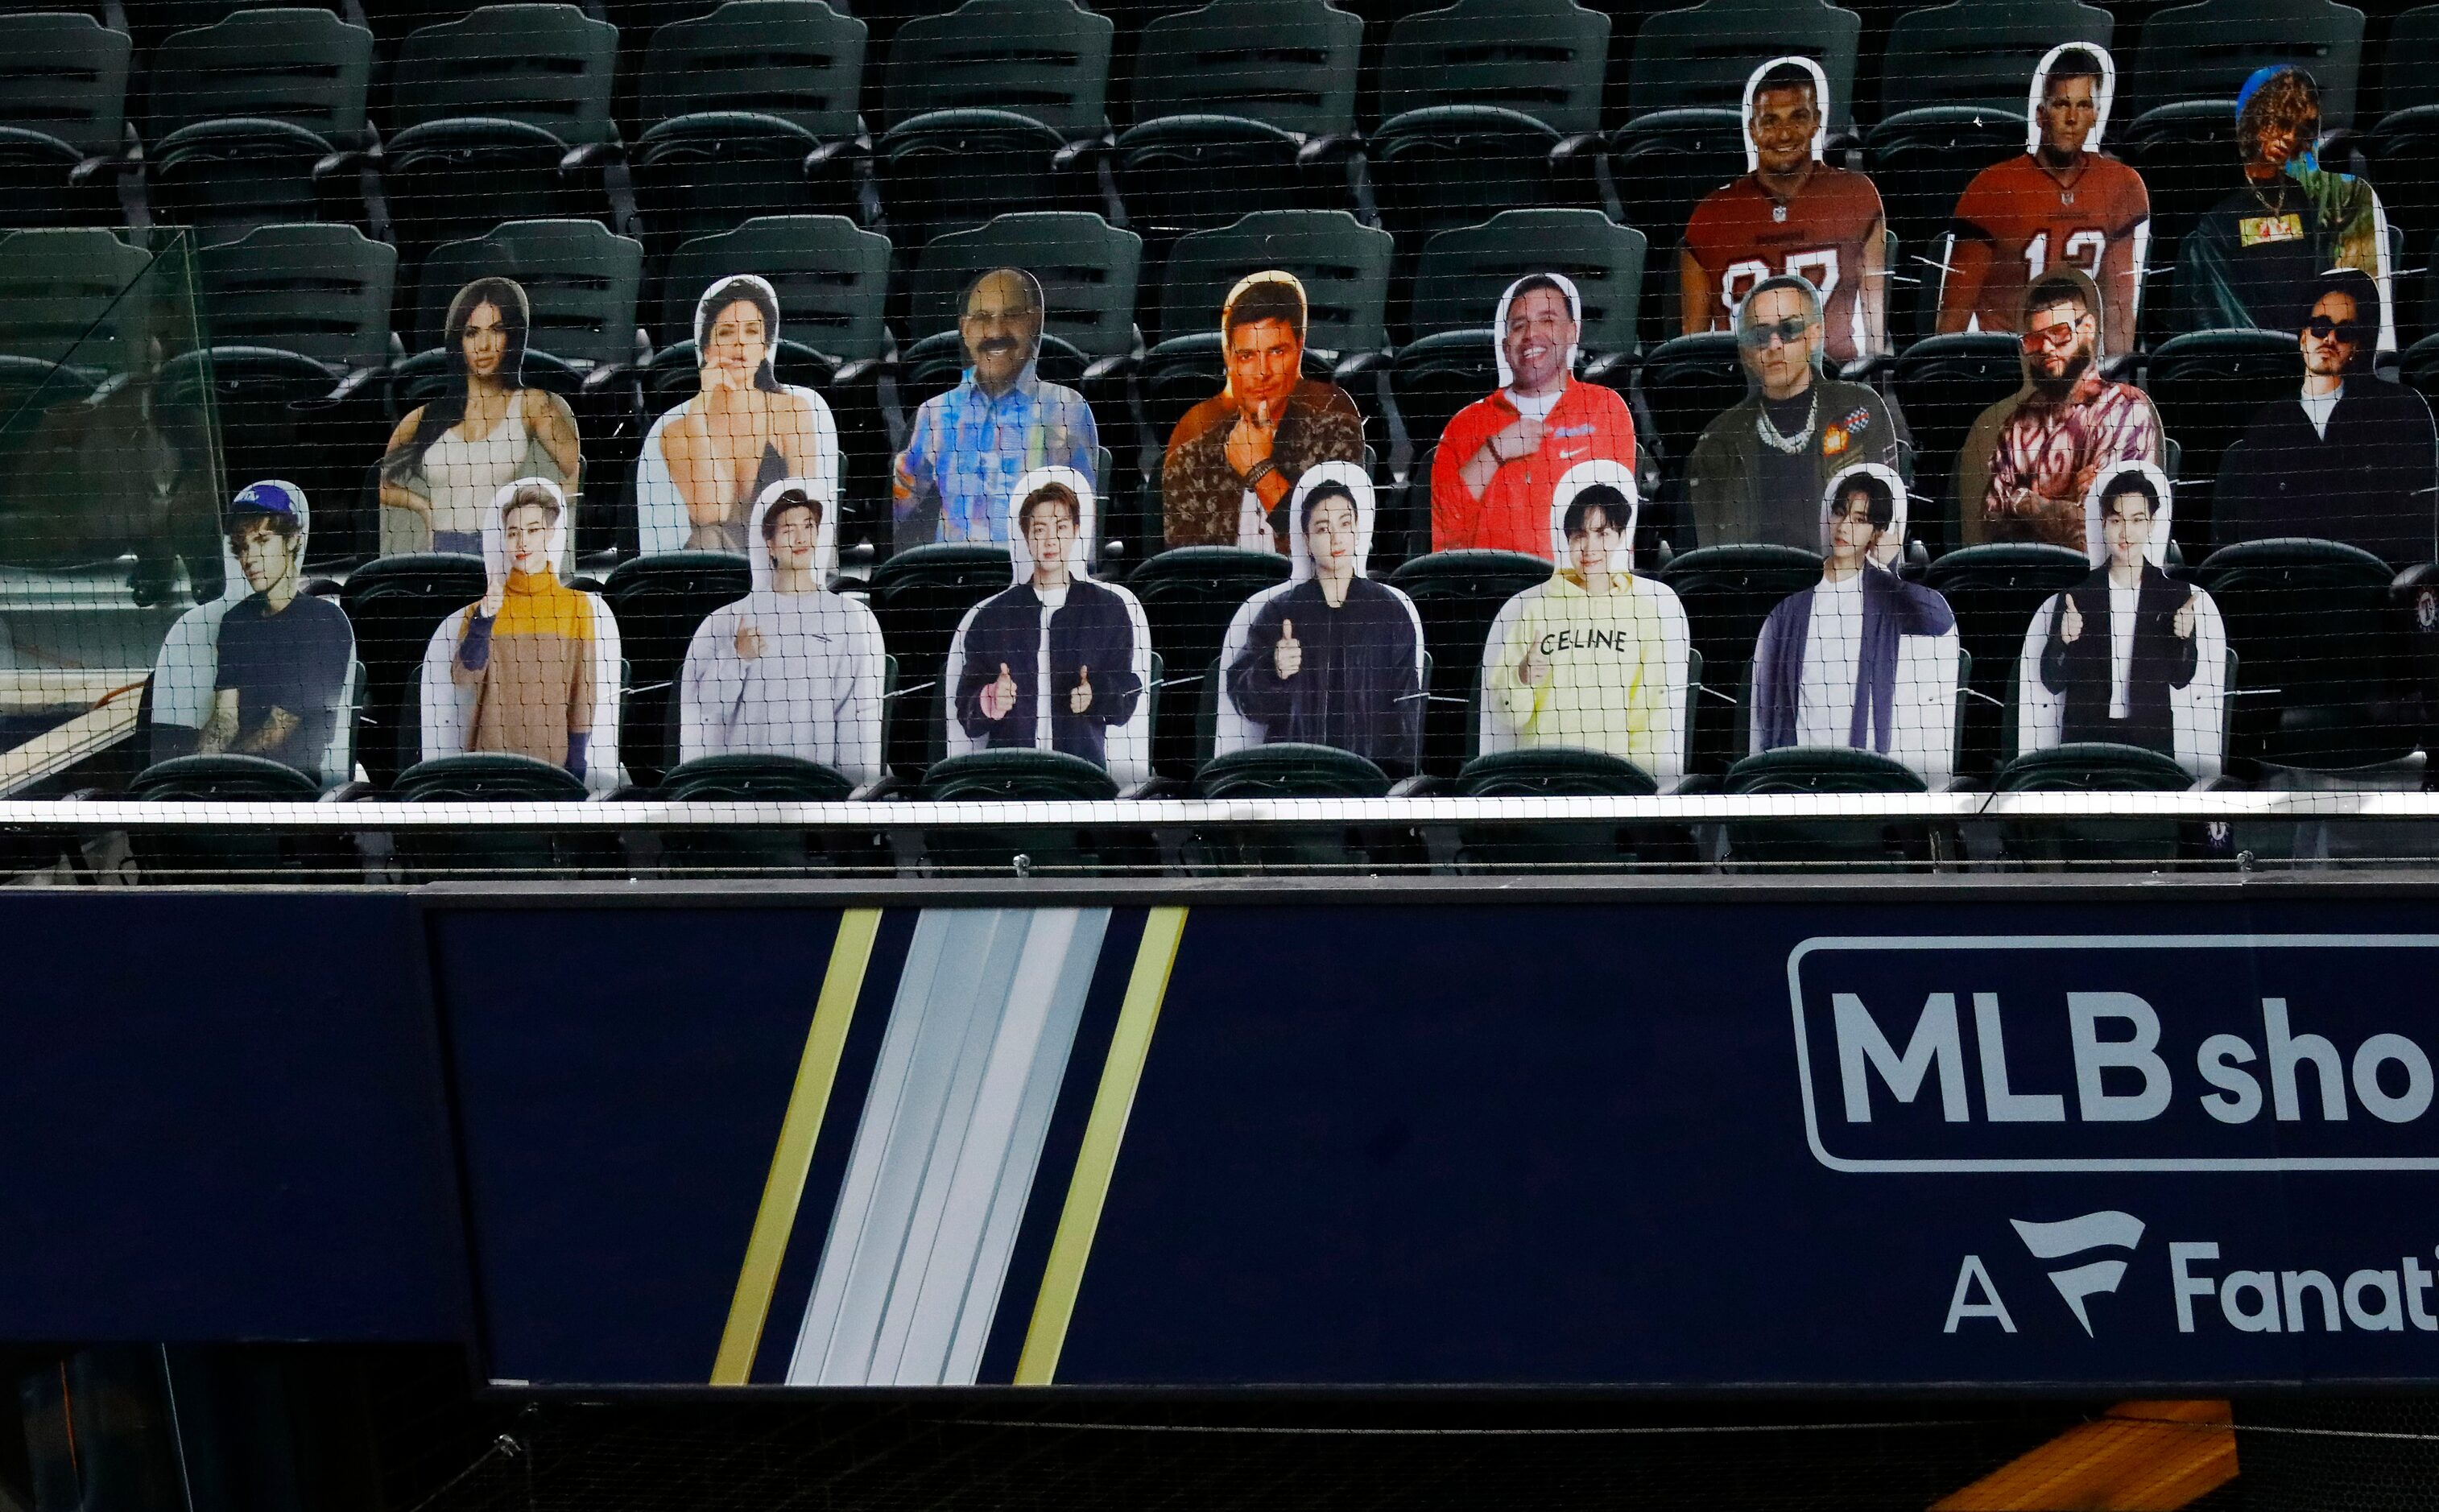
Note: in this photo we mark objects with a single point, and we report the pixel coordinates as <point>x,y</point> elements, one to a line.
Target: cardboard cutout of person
<point>266,668</point>
<point>1791,213</point>
<point>2031,458</point>
<point>2130,655</point>
<point>2063,202</point>
<point>1237,455</point>
<point>706,461</point>
<point>449,457</point>
<point>2254,258</point>
<point>792,668</point>
<point>1501,458</point>
<point>1055,661</point>
<point>2350,456</point>
<point>1598,658</point>
<point>533,669</point>
<point>1758,470</point>
<point>1864,659</point>
<point>1329,657</point>
<point>967,446</point>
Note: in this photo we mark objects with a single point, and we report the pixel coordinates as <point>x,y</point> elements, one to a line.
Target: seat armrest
<point>1081,156</point>
<point>1615,369</point>
<point>1111,370</point>
<point>865,371</point>
<point>1153,787</point>
<point>356,790</point>
<point>592,154</point>
<point>830,156</point>
<point>1356,365</point>
<point>346,160</point>
<point>1868,369</point>
<point>885,786</point>
<point>1323,149</point>
<point>607,376</point>
<point>1420,785</point>
<point>1581,148</point>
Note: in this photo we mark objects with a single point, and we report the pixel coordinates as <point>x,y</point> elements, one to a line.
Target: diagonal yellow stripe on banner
<point>784,1188</point>
<point>1098,1157</point>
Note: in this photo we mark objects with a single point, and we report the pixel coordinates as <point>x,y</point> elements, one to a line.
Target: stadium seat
<point>1343,264</point>
<point>227,778</point>
<point>1921,163</point>
<point>1458,593</point>
<point>1727,592</point>
<point>1996,590</point>
<point>1552,771</point>
<point>755,779</point>
<point>659,601</point>
<point>1238,106</point>
<point>1087,268</point>
<point>2187,157</point>
<point>919,596</point>
<point>750,110</point>
<point>487,776</point>
<point>496,777</point>
<point>277,415</point>
<point>1289,769</point>
<point>70,296</point>
<point>831,277</point>
<point>1943,384</point>
<point>1825,771</point>
<point>2093,766</point>
<point>1436,376</point>
<point>1476,101</point>
<point>761,849</point>
<point>213,853</point>
<point>1019,777</point>
<point>583,282</point>
<point>1189,594</point>
<point>502,115</point>
<point>259,119</point>
<point>323,290</point>
<point>395,603</point>
<point>979,104</point>
<point>1977,56</point>
<point>1543,771</point>
<point>1685,381</point>
<point>2319,641</point>
<point>2195,56</point>
<point>1462,274</point>
<point>1001,775</point>
<point>2402,152</point>
<point>2206,385</point>
<point>62,121</point>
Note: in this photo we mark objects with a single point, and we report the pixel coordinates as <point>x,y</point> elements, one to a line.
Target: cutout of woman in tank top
<point>744,431</point>
<point>449,457</point>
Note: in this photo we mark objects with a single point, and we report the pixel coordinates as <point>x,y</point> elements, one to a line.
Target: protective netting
<point>1022,403</point>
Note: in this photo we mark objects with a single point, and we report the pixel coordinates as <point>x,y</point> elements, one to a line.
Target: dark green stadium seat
<point>2203,53</point>
<point>1438,375</point>
<point>737,105</point>
<point>502,115</point>
<point>1013,774</point>
<point>62,121</point>
<point>1019,777</point>
<point>1922,162</point>
<point>1727,592</point>
<point>497,777</point>
<point>1474,102</point>
<point>1087,268</point>
<point>1685,382</point>
<point>977,106</point>
<point>830,274</point>
<point>487,776</point>
<point>758,850</point>
<point>226,778</point>
<point>1343,264</point>
<point>755,779</point>
<point>1458,593</point>
<point>1562,772</point>
<point>1943,384</point>
<point>1552,771</point>
<point>1290,769</point>
<point>274,414</point>
<point>250,851</point>
<point>1826,772</point>
<point>1700,58</point>
<point>72,296</point>
<point>1189,594</point>
<point>253,121</point>
<point>2402,152</point>
<point>1238,106</point>
<point>581,280</point>
<point>325,290</point>
<point>2321,643</point>
<point>2093,766</point>
<point>2098,767</point>
<point>1978,54</point>
<point>2206,385</point>
<point>659,601</point>
<point>919,596</point>
<point>1996,590</point>
<point>1663,163</point>
<point>1463,272</point>
<point>2187,156</point>
<point>395,603</point>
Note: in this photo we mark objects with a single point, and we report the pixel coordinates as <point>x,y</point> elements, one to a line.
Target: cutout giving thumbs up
<point>1079,698</point>
<point>1289,656</point>
<point>1000,697</point>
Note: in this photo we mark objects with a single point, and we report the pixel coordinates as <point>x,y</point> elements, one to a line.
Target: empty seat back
<point>1048,59</point>
<point>1087,268</point>
<point>64,76</point>
<point>546,66</point>
<point>797,60</point>
<point>72,296</point>
<point>1700,58</point>
<point>831,275</point>
<point>1463,272</point>
<point>323,290</point>
<point>1980,52</point>
<point>581,279</point>
<point>1289,63</point>
<point>1546,58</point>
<point>306,67</point>
<point>1343,264</point>
<point>2203,51</point>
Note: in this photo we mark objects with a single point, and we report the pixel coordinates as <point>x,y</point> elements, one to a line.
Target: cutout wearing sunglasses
<point>1788,332</point>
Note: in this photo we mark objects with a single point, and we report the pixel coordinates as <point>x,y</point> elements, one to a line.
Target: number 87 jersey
<point>1741,234</point>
